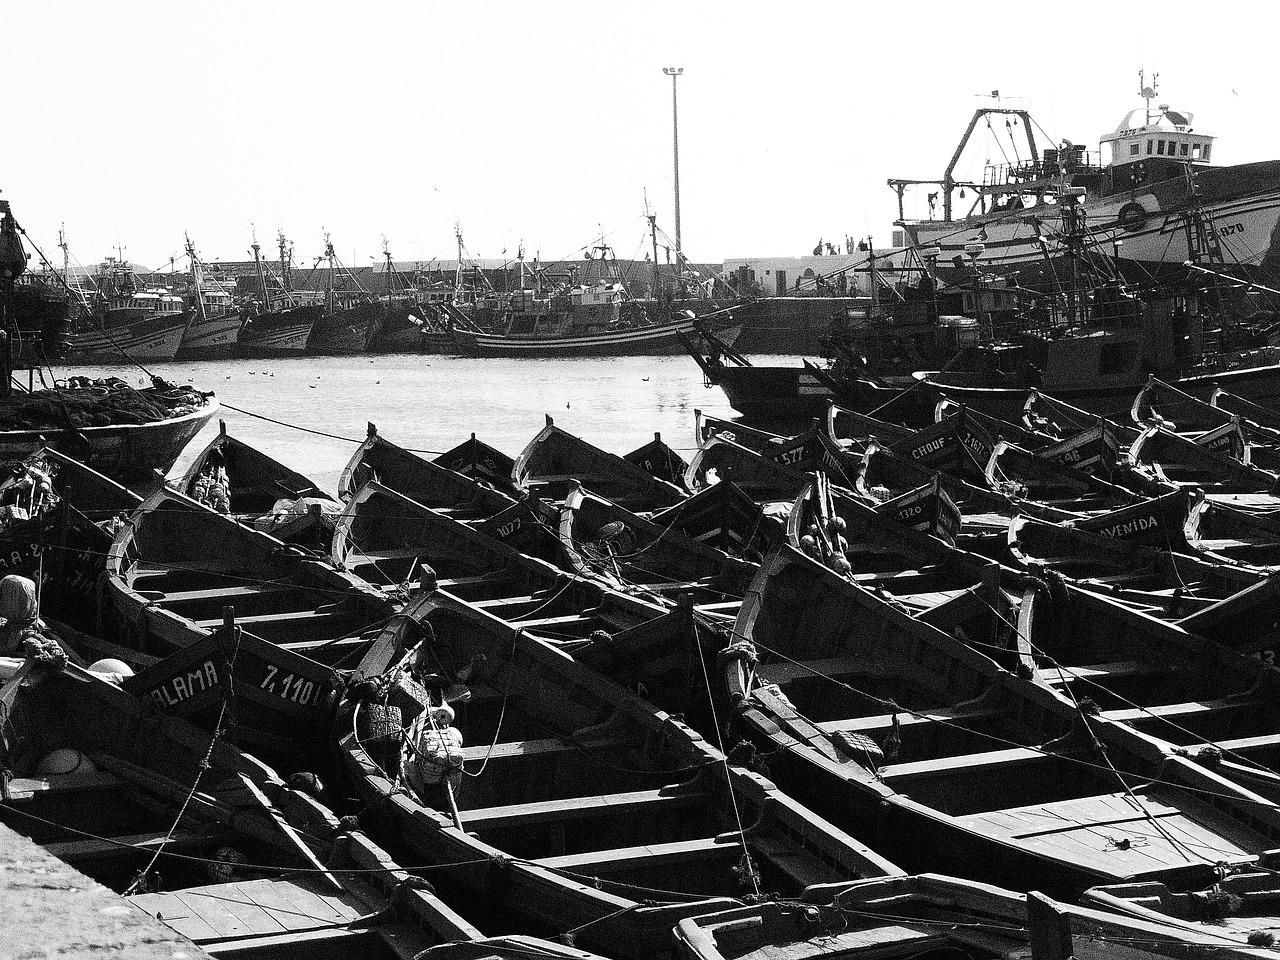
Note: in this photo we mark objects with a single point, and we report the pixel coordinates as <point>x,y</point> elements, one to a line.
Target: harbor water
<point>432,403</point>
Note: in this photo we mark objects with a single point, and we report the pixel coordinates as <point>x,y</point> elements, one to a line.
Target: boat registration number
<point>291,687</point>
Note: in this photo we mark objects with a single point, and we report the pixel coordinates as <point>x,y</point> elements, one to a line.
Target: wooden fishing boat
<point>660,460</point>
<point>934,916</point>
<point>943,758</point>
<point>1151,521</point>
<point>387,539</point>
<point>236,479</point>
<point>955,445</point>
<point>1015,431</point>
<point>212,842</point>
<point>1050,415</point>
<point>476,459</point>
<point>1063,931</point>
<point>58,527</point>
<point>913,916</point>
<point>1025,474</point>
<point>1177,410</point>
<point>553,460</point>
<point>177,563</point>
<point>1239,908</point>
<point>1115,562</point>
<point>583,809</point>
<point>846,427</point>
<point>624,550</point>
<point>827,522</point>
<point>762,478</point>
<point>214,329</point>
<point>724,516</point>
<point>119,431</point>
<point>1210,460</point>
<point>431,484</point>
<point>281,331</point>
<point>1255,414</point>
<point>705,427</point>
<point>1208,425</point>
<point>1194,696</point>
<point>1218,531</point>
<point>123,322</point>
<point>173,572</point>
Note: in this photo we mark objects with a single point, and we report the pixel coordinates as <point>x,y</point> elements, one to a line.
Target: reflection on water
<point>432,403</point>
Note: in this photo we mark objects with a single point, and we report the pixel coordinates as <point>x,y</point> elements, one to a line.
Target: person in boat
<point>432,764</point>
<point>23,635</point>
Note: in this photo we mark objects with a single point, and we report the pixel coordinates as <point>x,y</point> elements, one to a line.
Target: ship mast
<point>329,255</point>
<point>457,272</point>
<point>653,239</point>
<point>197,277</point>
<point>262,279</point>
<point>284,262</point>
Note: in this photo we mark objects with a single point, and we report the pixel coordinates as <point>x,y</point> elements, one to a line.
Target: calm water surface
<point>432,403</point>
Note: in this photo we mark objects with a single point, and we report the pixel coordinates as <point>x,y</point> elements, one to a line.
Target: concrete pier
<point>49,909</point>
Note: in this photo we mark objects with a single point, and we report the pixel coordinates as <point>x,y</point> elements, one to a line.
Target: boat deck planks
<point>582,808</point>
<point>1085,830</point>
<point>623,859</point>
<point>250,908</point>
<point>897,938</point>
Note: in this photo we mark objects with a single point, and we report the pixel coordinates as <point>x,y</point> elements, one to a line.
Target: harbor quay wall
<point>50,909</point>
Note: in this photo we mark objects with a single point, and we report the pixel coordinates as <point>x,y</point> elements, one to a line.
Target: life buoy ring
<point>1132,217</point>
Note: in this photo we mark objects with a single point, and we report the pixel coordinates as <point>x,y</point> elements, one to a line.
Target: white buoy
<point>63,761</point>
<point>111,665</point>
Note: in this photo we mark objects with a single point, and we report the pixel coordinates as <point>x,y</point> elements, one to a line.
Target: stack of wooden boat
<point>752,705</point>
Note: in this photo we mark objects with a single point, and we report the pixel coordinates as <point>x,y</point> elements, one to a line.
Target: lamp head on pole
<point>673,71</point>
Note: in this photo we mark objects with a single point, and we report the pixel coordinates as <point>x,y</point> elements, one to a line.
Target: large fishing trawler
<point>1150,199</point>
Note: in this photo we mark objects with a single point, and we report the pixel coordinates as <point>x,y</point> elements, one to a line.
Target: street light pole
<point>674,72</point>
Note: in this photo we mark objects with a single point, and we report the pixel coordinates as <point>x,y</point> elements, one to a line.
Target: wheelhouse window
<point>1160,147</point>
<point>1135,149</point>
<point>1148,148</point>
<point>1182,150</point>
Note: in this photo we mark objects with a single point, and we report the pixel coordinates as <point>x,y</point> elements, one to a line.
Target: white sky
<point>131,122</point>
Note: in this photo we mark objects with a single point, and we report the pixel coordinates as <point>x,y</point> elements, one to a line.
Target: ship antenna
<point>1148,93</point>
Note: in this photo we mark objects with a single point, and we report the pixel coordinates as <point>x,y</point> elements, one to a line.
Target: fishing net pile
<point>83,402</point>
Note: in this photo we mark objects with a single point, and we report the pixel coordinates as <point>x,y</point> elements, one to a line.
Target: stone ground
<point>49,910</point>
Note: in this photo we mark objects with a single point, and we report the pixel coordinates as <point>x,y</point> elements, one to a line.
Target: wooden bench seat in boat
<point>884,721</point>
<point>507,601</point>
<point>784,671</point>
<point>392,553</point>
<point>1246,744</point>
<point>293,617</point>
<point>603,862</point>
<point>228,593</point>
<point>1102,671</point>
<point>80,850</point>
<point>584,617</point>
<point>448,583</point>
<point>586,479</point>
<point>533,748</point>
<point>964,762</point>
<point>1171,710</point>
<point>720,607</point>
<point>798,863</point>
<point>334,648</point>
<point>581,808</point>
